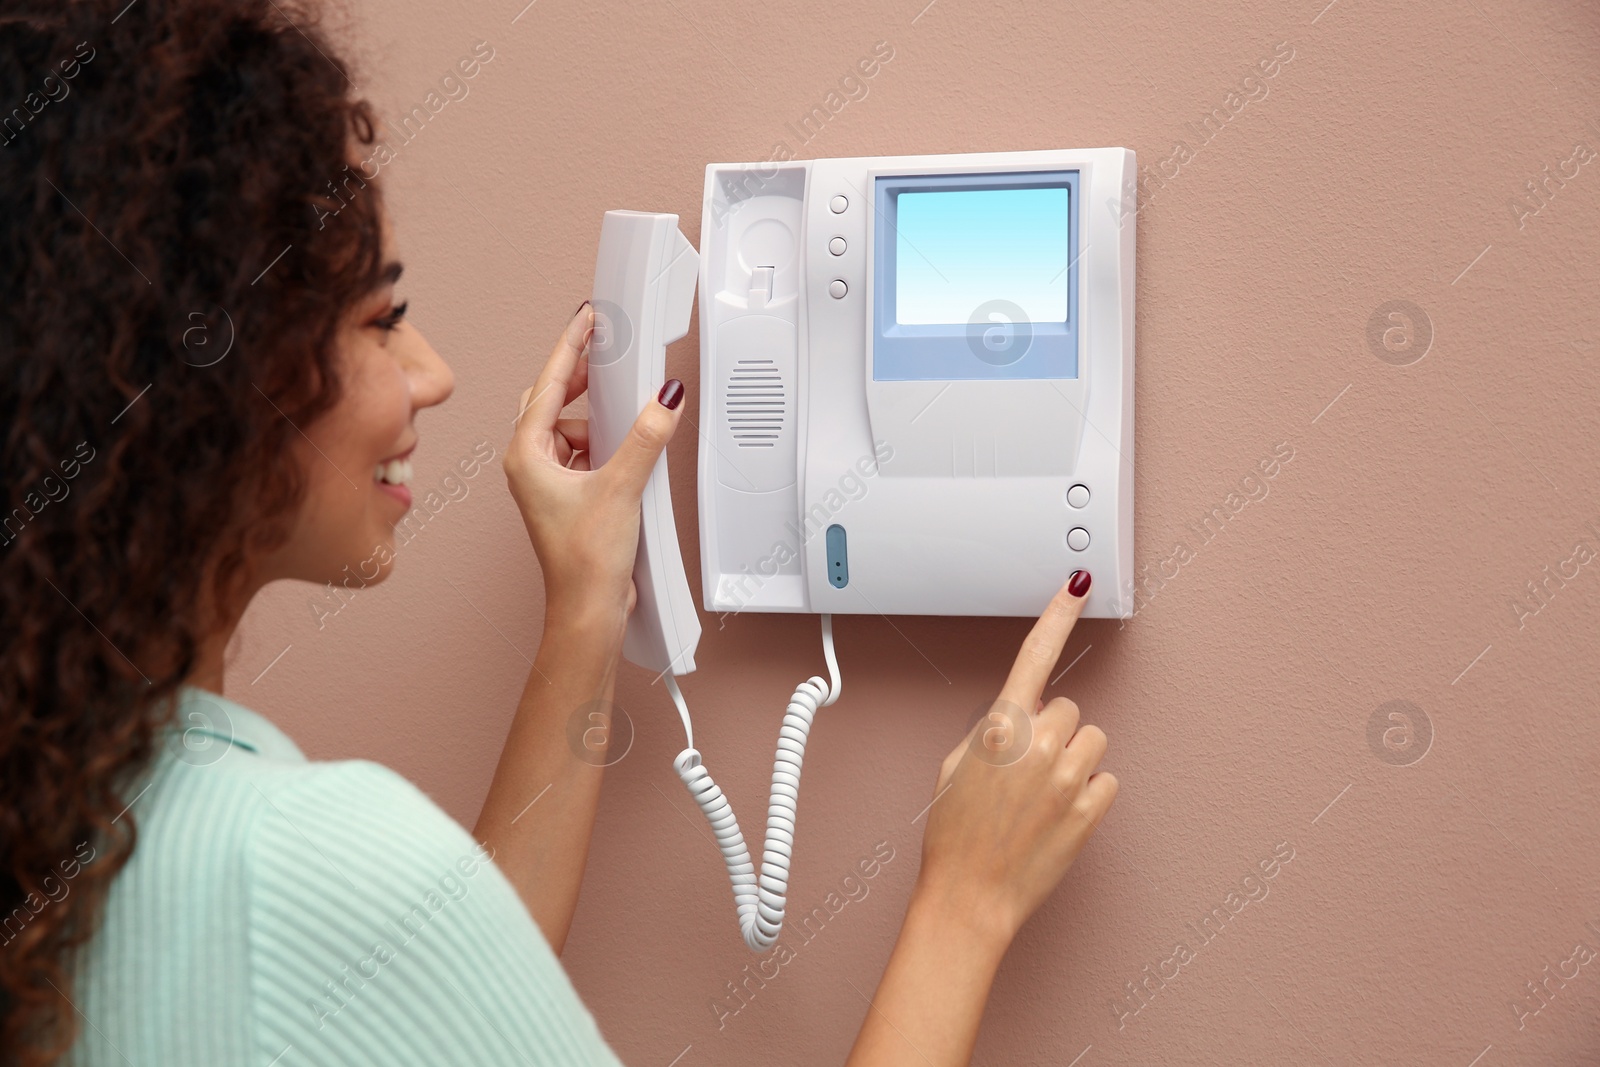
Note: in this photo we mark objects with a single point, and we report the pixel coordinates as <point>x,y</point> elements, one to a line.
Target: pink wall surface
<point>1431,541</point>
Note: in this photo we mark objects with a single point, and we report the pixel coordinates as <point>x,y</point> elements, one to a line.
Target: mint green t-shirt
<point>278,912</point>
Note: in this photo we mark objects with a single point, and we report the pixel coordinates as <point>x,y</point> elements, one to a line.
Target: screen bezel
<point>950,352</point>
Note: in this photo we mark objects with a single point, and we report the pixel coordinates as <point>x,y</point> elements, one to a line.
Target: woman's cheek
<point>392,393</point>
<point>375,408</point>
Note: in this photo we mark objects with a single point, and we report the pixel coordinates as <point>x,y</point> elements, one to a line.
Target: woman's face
<point>354,454</point>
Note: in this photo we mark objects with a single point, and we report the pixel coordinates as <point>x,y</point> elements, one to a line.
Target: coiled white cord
<point>760,904</point>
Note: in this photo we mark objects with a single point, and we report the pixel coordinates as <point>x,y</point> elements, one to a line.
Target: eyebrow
<point>390,273</point>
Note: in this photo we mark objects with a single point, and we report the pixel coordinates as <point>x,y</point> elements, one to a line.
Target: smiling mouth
<point>393,472</point>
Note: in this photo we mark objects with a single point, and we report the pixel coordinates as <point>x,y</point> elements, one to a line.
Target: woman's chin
<point>359,565</point>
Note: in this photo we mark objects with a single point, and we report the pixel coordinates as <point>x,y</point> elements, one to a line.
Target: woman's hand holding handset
<point>584,524</point>
<point>1014,804</point>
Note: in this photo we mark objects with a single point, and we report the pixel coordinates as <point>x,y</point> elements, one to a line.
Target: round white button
<point>1078,496</point>
<point>837,246</point>
<point>838,204</point>
<point>1077,539</point>
<point>837,289</point>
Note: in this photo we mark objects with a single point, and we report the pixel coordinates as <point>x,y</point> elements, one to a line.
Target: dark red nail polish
<point>1078,584</point>
<point>580,308</point>
<point>671,394</point>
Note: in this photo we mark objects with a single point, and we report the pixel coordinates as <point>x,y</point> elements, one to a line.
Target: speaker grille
<point>756,403</point>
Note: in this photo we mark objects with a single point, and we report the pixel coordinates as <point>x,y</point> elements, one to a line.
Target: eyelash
<point>389,321</point>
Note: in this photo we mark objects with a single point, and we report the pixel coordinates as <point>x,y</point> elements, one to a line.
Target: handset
<point>644,279</point>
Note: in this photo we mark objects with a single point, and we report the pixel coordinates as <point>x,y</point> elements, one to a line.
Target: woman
<point>207,384</point>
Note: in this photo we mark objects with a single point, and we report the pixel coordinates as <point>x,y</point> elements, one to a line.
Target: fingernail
<point>580,308</point>
<point>671,394</point>
<point>1078,584</point>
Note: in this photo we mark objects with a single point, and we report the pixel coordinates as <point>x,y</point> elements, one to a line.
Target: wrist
<point>588,611</point>
<point>577,631</point>
<point>975,934</point>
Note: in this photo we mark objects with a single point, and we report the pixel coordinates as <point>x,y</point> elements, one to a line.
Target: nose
<point>430,376</point>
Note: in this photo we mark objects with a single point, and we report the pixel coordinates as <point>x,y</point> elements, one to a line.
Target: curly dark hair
<point>169,178</point>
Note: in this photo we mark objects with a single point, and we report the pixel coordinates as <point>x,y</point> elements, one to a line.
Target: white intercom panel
<point>916,388</point>
<point>916,398</point>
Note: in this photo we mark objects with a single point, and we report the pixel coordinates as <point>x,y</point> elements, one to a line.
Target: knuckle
<point>1065,706</point>
<point>649,433</point>
<point>1095,800</point>
<point>1039,650</point>
<point>1070,780</point>
<point>1065,712</point>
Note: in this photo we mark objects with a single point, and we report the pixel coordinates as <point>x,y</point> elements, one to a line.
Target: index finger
<point>551,391</point>
<point>1042,647</point>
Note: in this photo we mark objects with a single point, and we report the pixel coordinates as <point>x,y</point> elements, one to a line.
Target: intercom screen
<point>961,249</point>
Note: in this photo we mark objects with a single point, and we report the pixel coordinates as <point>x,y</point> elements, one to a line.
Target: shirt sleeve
<point>380,932</point>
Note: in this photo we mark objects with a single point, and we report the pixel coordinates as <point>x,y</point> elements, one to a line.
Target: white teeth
<point>394,472</point>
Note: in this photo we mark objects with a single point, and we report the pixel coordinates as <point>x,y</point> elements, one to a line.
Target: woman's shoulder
<point>227,773</point>
<point>330,906</point>
<point>236,827</point>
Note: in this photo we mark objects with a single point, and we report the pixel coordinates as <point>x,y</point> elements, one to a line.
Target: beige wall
<point>1383,564</point>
